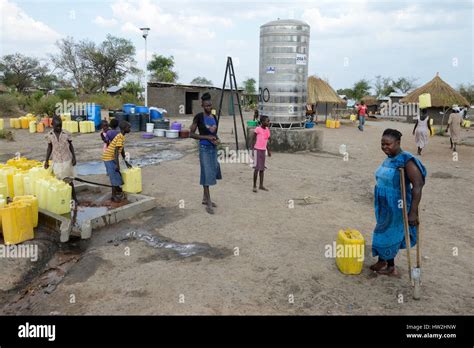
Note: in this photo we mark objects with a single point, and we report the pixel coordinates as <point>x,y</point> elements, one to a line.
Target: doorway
<point>190,96</point>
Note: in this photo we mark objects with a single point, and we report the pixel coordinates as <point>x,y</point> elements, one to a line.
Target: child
<point>62,151</point>
<point>104,125</point>
<point>111,161</point>
<point>362,113</point>
<point>260,146</point>
<point>113,131</point>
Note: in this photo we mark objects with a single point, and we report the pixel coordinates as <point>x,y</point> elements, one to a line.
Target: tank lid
<point>285,22</point>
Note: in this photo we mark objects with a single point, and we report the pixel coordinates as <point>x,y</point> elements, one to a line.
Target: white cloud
<point>106,23</point>
<point>179,25</point>
<point>19,32</point>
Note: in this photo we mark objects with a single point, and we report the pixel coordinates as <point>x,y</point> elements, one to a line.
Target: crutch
<point>405,218</point>
<point>415,272</point>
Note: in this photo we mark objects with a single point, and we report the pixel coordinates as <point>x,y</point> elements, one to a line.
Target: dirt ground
<point>281,250</point>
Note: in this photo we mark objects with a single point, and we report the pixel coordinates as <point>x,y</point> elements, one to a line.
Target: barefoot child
<point>62,151</point>
<point>111,161</point>
<point>260,146</point>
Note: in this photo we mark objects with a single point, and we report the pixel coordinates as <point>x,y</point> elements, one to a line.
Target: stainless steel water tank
<point>284,49</point>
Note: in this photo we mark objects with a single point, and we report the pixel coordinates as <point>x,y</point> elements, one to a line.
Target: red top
<point>362,110</point>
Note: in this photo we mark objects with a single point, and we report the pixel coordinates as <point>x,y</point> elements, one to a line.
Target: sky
<point>350,40</point>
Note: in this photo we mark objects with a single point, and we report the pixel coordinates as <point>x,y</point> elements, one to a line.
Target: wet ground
<point>256,250</point>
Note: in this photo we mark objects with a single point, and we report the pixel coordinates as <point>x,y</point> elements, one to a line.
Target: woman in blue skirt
<point>206,122</point>
<point>389,235</point>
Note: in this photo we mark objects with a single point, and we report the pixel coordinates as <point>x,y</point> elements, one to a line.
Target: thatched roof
<point>442,94</point>
<point>369,100</point>
<point>319,91</point>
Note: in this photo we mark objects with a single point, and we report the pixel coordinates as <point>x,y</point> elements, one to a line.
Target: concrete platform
<point>85,219</point>
<point>294,140</point>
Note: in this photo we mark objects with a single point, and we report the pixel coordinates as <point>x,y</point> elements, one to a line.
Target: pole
<point>405,218</point>
<point>146,76</point>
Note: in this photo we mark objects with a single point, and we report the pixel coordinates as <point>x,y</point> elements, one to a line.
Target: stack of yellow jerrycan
<point>350,247</point>
<point>3,203</point>
<point>86,126</point>
<point>22,179</point>
<point>132,178</point>
<point>71,126</point>
<point>2,124</point>
<point>332,124</point>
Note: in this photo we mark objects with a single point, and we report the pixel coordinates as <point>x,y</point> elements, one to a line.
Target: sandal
<point>379,265</point>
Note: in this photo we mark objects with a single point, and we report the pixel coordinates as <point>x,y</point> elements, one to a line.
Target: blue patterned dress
<point>389,235</point>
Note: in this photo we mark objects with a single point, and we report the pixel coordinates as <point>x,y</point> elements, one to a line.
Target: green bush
<point>47,105</point>
<point>8,104</point>
<point>37,95</point>
<point>129,98</point>
<point>104,100</point>
<point>66,94</point>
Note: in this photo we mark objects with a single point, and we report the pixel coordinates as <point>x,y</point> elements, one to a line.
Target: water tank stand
<point>233,91</point>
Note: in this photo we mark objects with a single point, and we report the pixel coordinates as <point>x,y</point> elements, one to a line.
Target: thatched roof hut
<point>323,97</point>
<point>442,94</point>
<point>319,91</point>
<point>369,100</point>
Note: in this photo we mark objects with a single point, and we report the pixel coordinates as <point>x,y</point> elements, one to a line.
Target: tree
<point>467,91</point>
<point>109,62</point>
<point>20,71</point>
<point>201,81</point>
<point>360,89</point>
<point>133,87</point>
<point>345,91</point>
<point>161,68</point>
<point>383,86</point>
<point>404,84</point>
<point>91,67</point>
<point>249,86</point>
<point>70,62</point>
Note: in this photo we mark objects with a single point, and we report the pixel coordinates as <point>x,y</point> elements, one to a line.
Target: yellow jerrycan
<point>350,247</point>
<point>132,178</point>
<point>33,201</point>
<point>16,229</point>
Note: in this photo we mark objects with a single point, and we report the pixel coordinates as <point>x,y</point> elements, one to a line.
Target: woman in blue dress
<point>389,235</point>
<point>206,123</point>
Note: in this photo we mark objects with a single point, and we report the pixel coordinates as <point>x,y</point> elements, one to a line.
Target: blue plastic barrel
<point>128,108</point>
<point>155,114</point>
<point>93,114</point>
<point>141,109</point>
<point>134,120</point>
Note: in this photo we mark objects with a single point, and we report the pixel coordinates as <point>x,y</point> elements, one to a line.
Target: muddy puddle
<point>172,249</point>
<point>97,167</point>
<point>36,290</point>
